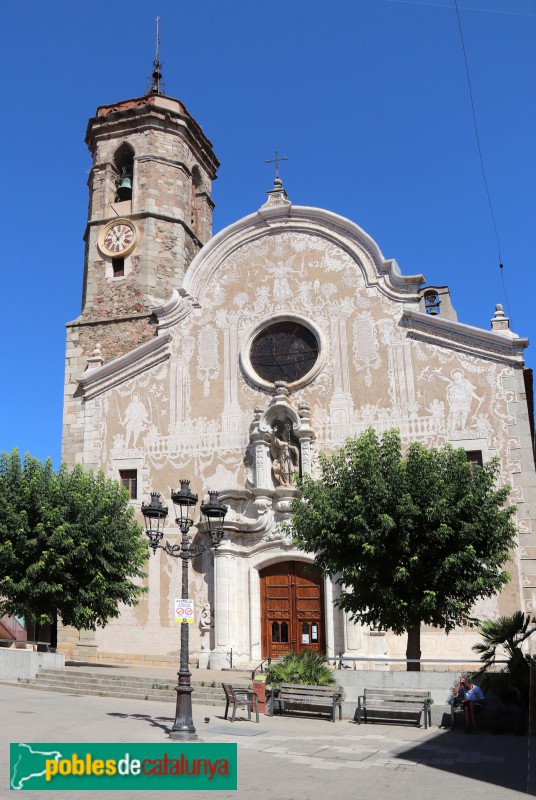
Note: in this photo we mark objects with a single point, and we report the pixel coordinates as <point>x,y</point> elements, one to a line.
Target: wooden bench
<point>394,704</point>
<point>318,698</point>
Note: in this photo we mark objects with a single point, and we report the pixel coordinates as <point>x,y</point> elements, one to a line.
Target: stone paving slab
<point>289,758</point>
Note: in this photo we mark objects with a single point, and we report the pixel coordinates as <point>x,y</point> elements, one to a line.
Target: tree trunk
<point>413,649</point>
<point>54,632</point>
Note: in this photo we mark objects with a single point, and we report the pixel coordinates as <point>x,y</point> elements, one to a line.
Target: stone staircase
<point>136,687</point>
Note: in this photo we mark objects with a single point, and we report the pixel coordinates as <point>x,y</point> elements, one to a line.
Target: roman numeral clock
<point>118,238</point>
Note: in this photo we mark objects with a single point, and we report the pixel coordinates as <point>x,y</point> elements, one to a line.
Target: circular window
<point>287,348</point>
<point>284,351</point>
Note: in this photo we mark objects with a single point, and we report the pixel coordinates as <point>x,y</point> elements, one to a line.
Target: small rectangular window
<point>118,266</point>
<point>129,479</point>
<point>474,457</point>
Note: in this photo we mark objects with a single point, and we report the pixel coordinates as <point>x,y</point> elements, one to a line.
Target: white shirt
<point>474,693</point>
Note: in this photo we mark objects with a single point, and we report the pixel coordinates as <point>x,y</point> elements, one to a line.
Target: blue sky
<point>368,99</point>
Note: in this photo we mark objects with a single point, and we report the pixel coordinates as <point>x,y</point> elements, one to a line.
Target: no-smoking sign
<point>184,610</point>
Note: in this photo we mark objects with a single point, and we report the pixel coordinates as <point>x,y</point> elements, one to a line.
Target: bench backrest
<point>402,695</point>
<point>308,692</point>
<point>229,691</point>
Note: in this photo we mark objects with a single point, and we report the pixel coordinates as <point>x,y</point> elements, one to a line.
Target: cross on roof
<point>276,161</point>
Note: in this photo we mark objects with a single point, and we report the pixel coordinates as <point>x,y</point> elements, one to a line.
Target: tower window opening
<point>196,185</point>
<point>124,164</point>
<point>118,266</point>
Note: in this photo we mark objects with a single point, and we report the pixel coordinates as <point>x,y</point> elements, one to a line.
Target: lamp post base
<point>183,736</point>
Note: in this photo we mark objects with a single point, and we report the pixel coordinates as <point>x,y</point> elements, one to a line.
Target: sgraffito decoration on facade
<point>204,413</point>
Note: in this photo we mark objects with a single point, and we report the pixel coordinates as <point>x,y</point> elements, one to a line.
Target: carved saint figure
<point>285,458</point>
<point>136,418</point>
<point>460,395</point>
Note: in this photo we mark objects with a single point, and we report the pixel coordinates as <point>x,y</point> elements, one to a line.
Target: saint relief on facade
<point>460,395</point>
<point>285,457</point>
<point>136,420</point>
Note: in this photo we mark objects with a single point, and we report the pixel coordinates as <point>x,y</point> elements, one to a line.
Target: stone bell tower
<point>149,213</point>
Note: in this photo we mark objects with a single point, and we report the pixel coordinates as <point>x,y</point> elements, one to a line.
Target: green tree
<point>410,540</point>
<point>69,544</point>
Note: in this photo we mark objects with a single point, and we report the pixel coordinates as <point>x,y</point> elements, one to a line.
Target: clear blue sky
<point>367,98</point>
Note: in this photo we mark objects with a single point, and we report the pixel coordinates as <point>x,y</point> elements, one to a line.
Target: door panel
<point>292,609</point>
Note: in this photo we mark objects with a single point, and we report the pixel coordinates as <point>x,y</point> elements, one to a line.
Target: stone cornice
<point>143,215</point>
<point>151,112</point>
<point>95,381</point>
<point>80,322</point>
<point>464,338</point>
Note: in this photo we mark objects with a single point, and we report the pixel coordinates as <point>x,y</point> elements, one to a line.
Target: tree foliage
<point>69,544</point>
<point>410,540</point>
<point>504,637</point>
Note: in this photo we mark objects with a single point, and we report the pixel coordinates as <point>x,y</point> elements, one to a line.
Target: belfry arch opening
<point>124,165</point>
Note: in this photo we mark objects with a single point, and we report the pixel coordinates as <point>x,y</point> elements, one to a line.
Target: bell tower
<point>150,207</point>
<point>149,213</point>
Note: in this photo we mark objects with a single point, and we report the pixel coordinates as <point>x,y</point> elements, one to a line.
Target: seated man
<point>458,693</point>
<point>472,703</point>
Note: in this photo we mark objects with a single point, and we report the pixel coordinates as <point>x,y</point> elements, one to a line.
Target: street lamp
<point>154,514</point>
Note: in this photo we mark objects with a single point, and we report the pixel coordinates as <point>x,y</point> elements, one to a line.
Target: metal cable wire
<point>488,194</point>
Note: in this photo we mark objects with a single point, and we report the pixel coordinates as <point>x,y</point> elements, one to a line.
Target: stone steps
<point>86,682</point>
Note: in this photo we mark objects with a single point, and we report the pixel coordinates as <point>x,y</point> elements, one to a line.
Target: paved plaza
<point>288,758</point>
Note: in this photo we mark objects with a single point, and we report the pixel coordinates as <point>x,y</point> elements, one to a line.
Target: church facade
<point>233,361</point>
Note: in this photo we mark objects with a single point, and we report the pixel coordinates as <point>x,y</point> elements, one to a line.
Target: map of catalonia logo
<point>128,766</point>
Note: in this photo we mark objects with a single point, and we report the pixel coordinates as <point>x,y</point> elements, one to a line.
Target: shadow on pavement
<point>507,761</point>
<point>164,723</point>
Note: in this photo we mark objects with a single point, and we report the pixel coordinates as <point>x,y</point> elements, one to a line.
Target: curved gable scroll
<point>342,248</point>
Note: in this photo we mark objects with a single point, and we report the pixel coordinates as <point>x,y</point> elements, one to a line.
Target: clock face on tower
<point>118,238</point>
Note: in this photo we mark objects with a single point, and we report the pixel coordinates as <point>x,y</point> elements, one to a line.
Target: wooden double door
<point>292,609</point>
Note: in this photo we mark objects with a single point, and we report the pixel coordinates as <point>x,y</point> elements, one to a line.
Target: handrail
<point>260,668</point>
<point>337,662</point>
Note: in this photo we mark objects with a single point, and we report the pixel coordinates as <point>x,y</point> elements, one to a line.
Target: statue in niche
<point>285,457</point>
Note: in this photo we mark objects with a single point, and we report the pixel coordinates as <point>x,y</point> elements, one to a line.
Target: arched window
<point>124,164</point>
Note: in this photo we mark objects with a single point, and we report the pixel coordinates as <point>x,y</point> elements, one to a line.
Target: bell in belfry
<point>124,189</point>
